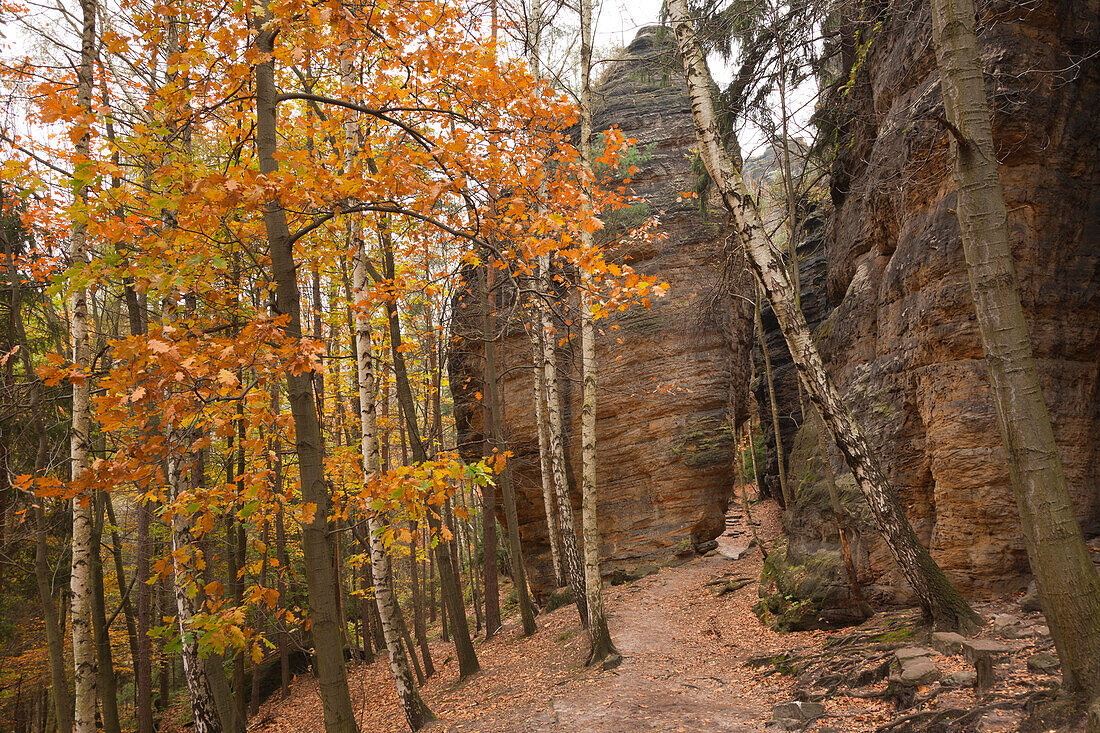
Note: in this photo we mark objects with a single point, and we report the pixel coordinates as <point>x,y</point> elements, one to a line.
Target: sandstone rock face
<point>901,339</point>
<point>671,390</point>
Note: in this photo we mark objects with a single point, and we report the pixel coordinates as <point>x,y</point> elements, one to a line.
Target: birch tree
<point>599,635</point>
<point>417,714</point>
<point>557,445</point>
<point>84,661</point>
<point>940,602</point>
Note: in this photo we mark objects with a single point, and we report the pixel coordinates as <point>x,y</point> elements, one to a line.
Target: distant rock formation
<point>672,379</point>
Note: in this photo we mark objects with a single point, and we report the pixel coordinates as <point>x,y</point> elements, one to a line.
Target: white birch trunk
<point>184,556</point>
<point>544,460</point>
<point>416,712</point>
<point>557,445</point>
<point>84,659</point>
<point>939,600</point>
<point>599,635</point>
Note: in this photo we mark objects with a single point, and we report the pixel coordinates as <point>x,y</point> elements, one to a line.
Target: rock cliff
<point>672,379</point>
<point>901,338</point>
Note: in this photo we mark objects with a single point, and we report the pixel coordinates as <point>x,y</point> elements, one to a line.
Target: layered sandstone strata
<point>671,378</point>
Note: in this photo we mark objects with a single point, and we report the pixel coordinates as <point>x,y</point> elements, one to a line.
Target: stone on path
<point>961,678</point>
<point>795,714</point>
<point>1043,663</point>
<point>1030,601</point>
<point>918,671</point>
<point>911,652</point>
<point>947,642</point>
<point>975,649</point>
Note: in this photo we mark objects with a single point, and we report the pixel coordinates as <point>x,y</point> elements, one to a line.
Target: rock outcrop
<point>672,379</point>
<point>901,338</point>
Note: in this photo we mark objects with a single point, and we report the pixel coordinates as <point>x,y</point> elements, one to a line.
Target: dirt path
<point>683,650</point>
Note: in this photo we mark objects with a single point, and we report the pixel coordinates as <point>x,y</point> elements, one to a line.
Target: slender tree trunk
<point>783,493</point>
<point>185,556</point>
<point>1068,584</point>
<point>59,686</point>
<point>55,638</point>
<point>599,635</point>
<point>557,446</point>
<point>460,630</point>
<point>488,499</point>
<point>84,662</point>
<point>417,713</point>
<point>280,551</point>
<point>534,46</point>
<point>471,557</point>
<point>106,689</point>
<point>316,543</point>
<point>254,694</point>
<point>544,458</point>
<point>939,600</point>
<point>418,610</point>
<point>165,606</point>
<point>495,430</point>
<point>745,494</point>
<point>120,575</point>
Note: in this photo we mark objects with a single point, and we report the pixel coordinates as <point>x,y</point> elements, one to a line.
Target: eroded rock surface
<point>901,338</point>
<point>671,378</point>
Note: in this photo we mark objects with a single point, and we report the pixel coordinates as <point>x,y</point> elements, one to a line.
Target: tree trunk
<point>55,638</point>
<point>460,629</point>
<point>784,495</point>
<point>1069,588</point>
<point>120,575</point>
<point>544,458</point>
<point>471,557</point>
<point>495,429</point>
<point>939,600</point>
<point>418,607</point>
<point>84,662</point>
<point>417,713</point>
<point>316,543</point>
<point>59,686</point>
<point>488,513</point>
<point>557,445</point>
<point>599,635</point>
<point>184,557</point>
<point>106,689</point>
<point>280,552</point>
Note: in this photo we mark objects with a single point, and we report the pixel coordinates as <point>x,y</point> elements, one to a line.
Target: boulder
<point>960,678</point>
<point>918,671</point>
<point>911,652</point>
<point>800,710</point>
<point>1043,663</point>
<point>1030,600</point>
<point>947,642</point>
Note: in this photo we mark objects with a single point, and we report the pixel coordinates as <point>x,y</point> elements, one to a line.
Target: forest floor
<point>684,668</point>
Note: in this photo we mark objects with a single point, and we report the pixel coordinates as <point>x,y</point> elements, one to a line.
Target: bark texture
<point>599,635</point>
<point>1069,586</point>
<point>84,661</point>
<point>417,714</point>
<point>321,578</point>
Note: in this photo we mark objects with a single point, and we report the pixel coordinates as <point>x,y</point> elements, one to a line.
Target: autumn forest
<point>499,365</point>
